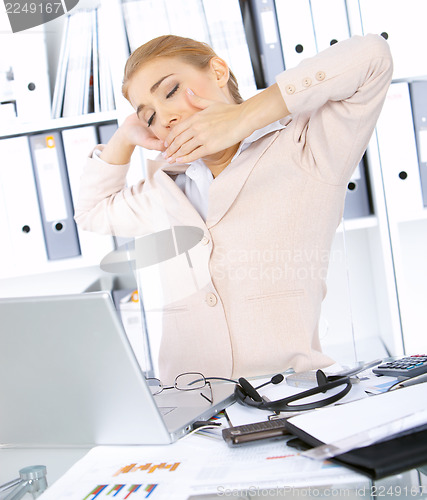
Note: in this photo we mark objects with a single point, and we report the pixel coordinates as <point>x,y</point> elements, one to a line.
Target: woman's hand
<point>133,132</point>
<point>216,127</point>
<point>136,133</point>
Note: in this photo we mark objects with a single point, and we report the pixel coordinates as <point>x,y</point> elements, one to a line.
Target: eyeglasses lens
<point>190,381</point>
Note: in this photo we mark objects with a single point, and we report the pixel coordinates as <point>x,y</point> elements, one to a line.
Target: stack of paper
<point>363,422</point>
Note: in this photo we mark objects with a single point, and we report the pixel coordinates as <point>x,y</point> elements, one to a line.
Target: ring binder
<point>54,196</point>
<point>23,245</point>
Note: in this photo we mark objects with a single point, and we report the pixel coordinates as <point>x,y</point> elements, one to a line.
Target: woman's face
<point>158,91</point>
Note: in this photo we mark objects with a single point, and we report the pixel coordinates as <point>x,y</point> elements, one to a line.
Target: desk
<point>203,465</point>
<point>58,461</point>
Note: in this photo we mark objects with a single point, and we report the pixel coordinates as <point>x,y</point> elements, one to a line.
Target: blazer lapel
<point>181,210</point>
<point>223,191</point>
<point>227,186</point>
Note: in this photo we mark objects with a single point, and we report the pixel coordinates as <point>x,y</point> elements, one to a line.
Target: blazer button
<point>320,75</point>
<point>306,82</point>
<point>290,89</point>
<point>204,240</point>
<point>211,299</point>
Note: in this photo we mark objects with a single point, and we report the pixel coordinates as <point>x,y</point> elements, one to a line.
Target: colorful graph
<point>95,492</point>
<point>116,489</point>
<point>148,467</point>
<point>124,490</point>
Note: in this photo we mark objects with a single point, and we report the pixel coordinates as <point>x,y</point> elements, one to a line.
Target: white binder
<point>186,18</point>
<point>54,196</point>
<point>22,243</point>
<point>106,95</point>
<point>404,26</point>
<point>77,77</point>
<point>26,52</point>
<point>296,31</point>
<point>132,18</point>
<point>7,260</point>
<point>398,154</point>
<point>95,64</point>
<point>61,73</point>
<point>78,143</point>
<point>144,20</point>
<point>227,34</point>
<point>330,22</point>
<point>217,29</point>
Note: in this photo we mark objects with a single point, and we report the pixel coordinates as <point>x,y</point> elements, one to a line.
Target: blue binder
<point>54,195</point>
<point>358,199</point>
<point>418,93</point>
<point>266,31</point>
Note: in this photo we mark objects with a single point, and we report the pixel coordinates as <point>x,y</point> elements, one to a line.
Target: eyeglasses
<point>190,381</point>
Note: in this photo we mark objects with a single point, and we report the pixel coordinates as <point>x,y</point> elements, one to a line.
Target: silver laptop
<point>69,377</point>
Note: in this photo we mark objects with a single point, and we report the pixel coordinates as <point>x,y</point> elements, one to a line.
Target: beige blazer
<point>249,301</point>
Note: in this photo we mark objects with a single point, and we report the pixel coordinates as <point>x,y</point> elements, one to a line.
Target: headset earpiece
<point>249,390</point>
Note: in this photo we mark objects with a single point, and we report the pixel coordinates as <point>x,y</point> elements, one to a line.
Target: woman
<point>264,180</point>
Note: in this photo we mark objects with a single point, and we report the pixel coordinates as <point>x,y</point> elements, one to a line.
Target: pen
<point>412,381</point>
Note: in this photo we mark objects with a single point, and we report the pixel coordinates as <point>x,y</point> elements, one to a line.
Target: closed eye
<point>172,92</point>
<point>150,120</point>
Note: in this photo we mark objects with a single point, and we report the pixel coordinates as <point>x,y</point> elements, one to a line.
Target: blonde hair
<point>191,51</point>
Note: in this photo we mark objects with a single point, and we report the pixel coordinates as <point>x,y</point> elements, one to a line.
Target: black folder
<point>401,453</point>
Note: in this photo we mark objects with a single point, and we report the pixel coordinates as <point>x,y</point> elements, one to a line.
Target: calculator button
<point>408,366</point>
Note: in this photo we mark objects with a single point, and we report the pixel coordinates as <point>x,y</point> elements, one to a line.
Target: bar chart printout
<point>189,467</point>
<point>130,490</point>
<point>121,491</point>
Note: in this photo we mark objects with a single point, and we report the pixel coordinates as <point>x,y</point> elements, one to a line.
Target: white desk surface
<point>56,460</point>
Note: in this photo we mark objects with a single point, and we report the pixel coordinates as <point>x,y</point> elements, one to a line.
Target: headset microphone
<point>277,379</point>
<point>252,392</point>
<point>274,380</point>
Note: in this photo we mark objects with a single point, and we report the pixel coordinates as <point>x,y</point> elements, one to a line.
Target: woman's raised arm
<point>219,125</point>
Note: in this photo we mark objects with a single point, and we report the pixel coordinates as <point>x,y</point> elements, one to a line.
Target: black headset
<point>248,395</point>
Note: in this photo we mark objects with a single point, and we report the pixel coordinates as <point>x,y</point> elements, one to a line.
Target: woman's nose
<point>168,120</point>
<point>172,122</point>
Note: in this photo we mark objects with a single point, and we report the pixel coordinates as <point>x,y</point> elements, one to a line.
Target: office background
<point>60,95</point>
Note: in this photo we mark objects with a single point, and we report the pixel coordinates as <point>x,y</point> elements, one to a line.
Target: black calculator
<point>408,366</point>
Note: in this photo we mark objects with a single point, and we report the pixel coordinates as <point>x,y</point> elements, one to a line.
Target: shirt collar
<point>273,127</point>
<point>197,170</point>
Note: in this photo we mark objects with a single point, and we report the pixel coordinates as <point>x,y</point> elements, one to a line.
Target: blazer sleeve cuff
<point>334,74</point>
